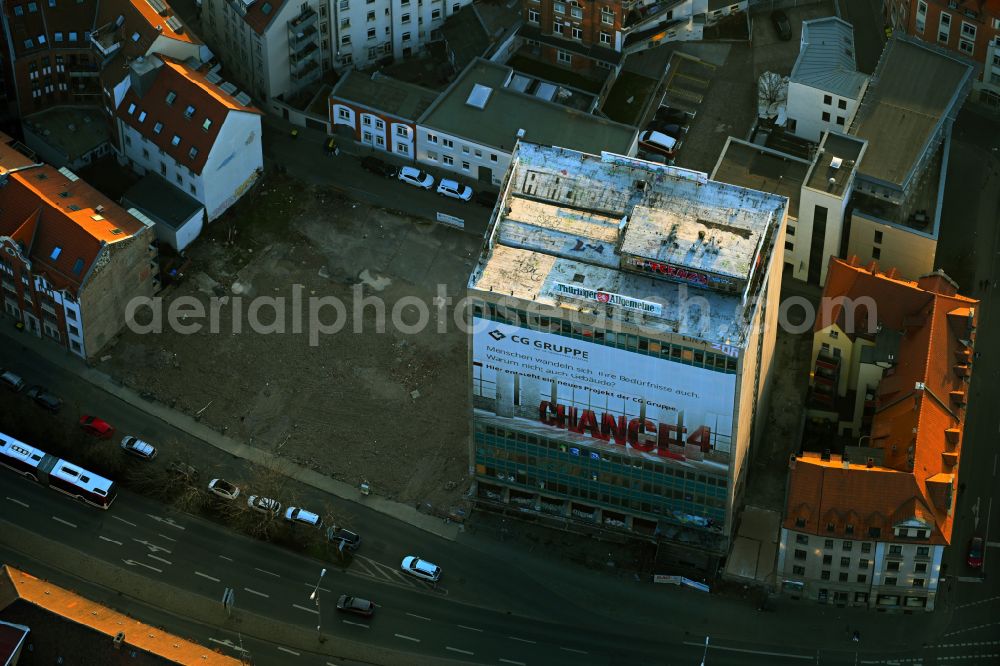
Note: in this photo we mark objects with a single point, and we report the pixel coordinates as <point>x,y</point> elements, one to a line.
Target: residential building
<point>273,48</point>
<point>176,216</point>
<point>379,111</point>
<point>624,322</point>
<point>866,523</point>
<point>825,88</point>
<point>72,259</point>
<point>191,128</point>
<point>64,627</point>
<point>473,126</point>
<point>970,30</point>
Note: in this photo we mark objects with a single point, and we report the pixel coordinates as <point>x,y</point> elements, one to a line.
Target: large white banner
<point>611,397</point>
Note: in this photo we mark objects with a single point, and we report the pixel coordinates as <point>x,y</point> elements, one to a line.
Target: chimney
<point>791,461</point>
<point>870,463</point>
<point>119,639</point>
<point>825,456</point>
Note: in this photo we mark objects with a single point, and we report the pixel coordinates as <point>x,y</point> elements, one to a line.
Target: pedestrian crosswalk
<point>369,568</point>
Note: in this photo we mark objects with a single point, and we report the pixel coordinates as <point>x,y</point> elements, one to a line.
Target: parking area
<point>770,52</point>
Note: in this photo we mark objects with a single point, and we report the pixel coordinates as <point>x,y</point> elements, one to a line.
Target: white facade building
<point>825,88</point>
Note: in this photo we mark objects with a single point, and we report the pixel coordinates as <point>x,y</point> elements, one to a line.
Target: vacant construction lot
<point>368,402</point>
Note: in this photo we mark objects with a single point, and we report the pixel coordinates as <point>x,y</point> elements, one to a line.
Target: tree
<point>772,93</point>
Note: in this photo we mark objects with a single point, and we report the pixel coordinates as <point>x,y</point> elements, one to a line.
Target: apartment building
<point>825,87</point>
<point>971,30</point>
<point>192,129</point>
<point>71,258</point>
<point>624,321</point>
<point>866,522</point>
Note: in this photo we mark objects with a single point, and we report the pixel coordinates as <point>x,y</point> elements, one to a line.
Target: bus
<point>56,473</point>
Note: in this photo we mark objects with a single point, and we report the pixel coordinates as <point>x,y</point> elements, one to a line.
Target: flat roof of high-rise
<point>572,221</point>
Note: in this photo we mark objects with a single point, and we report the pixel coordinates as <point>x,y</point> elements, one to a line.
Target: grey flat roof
<point>506,111</point>
<point>912,91</point>
<point>845,148</point>
<point>73,130</point>
<point>161,201</point>
<point>762,169</point>
<point>384,93</point>
<point>826,58</point>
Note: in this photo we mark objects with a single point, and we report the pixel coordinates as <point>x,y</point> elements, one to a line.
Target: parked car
<point>975,558</point>
<point>223,489</point>
<point>138,448</point>
<point>183,470</point>
<point>657,142</point>
<point>11,380</point>
<point>44,399</point>
<point>356,605</point>
<point>299,516</point>
<point>781,25</point>
<point>486,198</point>
<point>672,130</point>
<point>420,568</point>
<point>416,177</point>
<point>336,535</point>
<point>264,505</point>
<point>378,167</point>
<point>96,427</point>
<point>454,189</point>
<point>668,114</point>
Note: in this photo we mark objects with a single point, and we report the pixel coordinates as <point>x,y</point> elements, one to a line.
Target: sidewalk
<point>73,364</point>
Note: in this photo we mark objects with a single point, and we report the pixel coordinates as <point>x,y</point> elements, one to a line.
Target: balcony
<point>106,42</point>
<point>309,71</point>
<point>303,55</point>
<point>302,21</point>
<point>827,361</point>
<point>302,39</point>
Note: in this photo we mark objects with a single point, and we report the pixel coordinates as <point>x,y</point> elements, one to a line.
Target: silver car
<point>420,568</point>
<point>138,448</point>
<point>264,505</point>
<point>416,177</point>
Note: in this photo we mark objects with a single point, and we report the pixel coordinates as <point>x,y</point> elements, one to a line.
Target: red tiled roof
<point>258,18</point>
<point>38,212</point>
<point>139,18</point>
<point>920,407</point>
<point>191,89</point>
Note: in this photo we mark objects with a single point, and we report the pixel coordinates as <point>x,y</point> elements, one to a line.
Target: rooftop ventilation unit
<point>479,96</point>
<point>835,162</point>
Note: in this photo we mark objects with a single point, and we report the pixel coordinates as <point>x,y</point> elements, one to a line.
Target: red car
<point>975,559</point>
<point>96,427</point>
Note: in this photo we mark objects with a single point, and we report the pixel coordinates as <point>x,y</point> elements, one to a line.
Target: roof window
<point>176,141</point>
<point>193,153</point>
<point>116,231</point>
<point>142,116</point>
<point>56,251</point>
<point>135,36</point>
<point>266,9</point>
<point>74,207</point>
<point>207,124</point>
<point>97,217</point>
<point>78,266</point>
<point>188,112</point>
<point>131,108</point>
<point>157,128</point>
<point>171,96</point>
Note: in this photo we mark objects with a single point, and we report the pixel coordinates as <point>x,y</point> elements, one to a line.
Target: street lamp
<point>704,655</point>
<point>315,597</point>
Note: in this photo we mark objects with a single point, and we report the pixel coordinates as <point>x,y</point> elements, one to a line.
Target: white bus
<point>56,473</point>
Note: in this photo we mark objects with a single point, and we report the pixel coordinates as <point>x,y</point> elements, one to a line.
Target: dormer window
<point>131,109</point>
<point>176,141</point>
<point>188,112</point>
<point>157,128</point>
<point>171,96</point>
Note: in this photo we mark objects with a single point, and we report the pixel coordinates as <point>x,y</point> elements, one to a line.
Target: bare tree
<point>772,92</point>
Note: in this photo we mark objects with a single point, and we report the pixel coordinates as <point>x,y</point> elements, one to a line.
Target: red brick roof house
<point>70,258</point>
<point>867,525</point>
<point>190,128</point>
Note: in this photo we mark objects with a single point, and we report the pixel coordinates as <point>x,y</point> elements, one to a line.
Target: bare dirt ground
<point>389,407</point>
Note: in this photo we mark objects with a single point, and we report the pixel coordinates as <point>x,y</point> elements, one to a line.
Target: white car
<point>453,189</point>
<point>415,566</point>
<point>223,489</point>
<point>300,516</point>
<point>138,448</point>
<point>416,177</point>
<point>264,505</point>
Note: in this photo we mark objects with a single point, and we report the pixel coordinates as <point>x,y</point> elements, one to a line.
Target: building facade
<point>615,384</point>
<point>71,263</point>
<point>971,30</point>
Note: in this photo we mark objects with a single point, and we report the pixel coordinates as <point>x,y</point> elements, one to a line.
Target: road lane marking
<point>228,643</point>
<point>166,521</point>
<point>260,594</point>
<point>356,624</point>
<point>133,563</point>
<point>266,572</point>
<point>308,610</point>
<point>124,521</point>
<point>104,538</point>
<point>321,589</point>
<point>211,578</point>
<point>419,617</point>
<point>227,559</point>
<point>64,522</point>
<point>284,649</point>
<point>511,661</point>
<point>17,501</point>
<point>459,650</point>
<point>462,626</point>
<point>407,638</point>
<point>152,546</point>
<point>521,640</point>
<point>764,652</point>
<point>158,559</point>
<point>164,536</point>
<point>566,649</point>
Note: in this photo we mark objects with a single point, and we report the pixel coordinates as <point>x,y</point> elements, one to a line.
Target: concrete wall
<point>910,252</point>
<point>433,150</point>
<point>806,107</point>
<point>835,206</point>
<point>236,160</point>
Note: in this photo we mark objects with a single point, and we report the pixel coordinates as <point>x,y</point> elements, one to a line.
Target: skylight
<point>188,112</point>
<point>135,36</point>
<point>266,9</point>
<point>157,128</point>
<point>131,108</point>
<point>171,96</point>
<point>176,141</point>
<point>193,152</point>
<point>142,116</point>
<point>205,125</point>
<point>78,266</point>
<point>479,96</point>
<point>56,251</point>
